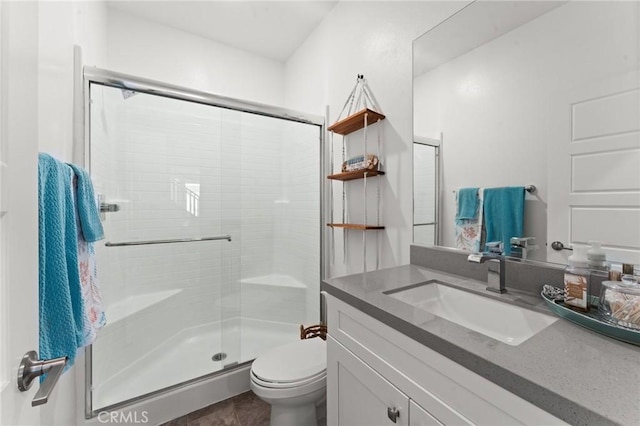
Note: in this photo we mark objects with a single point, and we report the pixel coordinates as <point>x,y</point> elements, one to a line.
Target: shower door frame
<point>436,144</point>
<point>103,77</point>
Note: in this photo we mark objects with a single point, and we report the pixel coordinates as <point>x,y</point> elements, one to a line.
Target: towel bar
<point>529,188</point>
<point>178,240</point>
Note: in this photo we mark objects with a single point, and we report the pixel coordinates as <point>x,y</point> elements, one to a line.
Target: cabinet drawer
<point>450,392</point>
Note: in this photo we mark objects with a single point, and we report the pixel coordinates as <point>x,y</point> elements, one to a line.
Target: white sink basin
<point>501,321</point>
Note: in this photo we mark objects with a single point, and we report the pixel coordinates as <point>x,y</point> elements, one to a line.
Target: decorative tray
<point>592,321</point>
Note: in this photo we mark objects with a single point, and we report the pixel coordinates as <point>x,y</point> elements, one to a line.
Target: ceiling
<point>273,29</point>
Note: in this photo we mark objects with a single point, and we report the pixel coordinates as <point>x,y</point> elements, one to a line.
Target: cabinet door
<point>357,395</point>
<point>418,416</point>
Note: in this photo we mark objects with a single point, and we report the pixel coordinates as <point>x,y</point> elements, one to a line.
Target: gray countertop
<point>575,374</point>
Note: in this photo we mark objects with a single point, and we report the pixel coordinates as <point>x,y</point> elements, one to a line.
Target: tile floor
<point>245,409</point>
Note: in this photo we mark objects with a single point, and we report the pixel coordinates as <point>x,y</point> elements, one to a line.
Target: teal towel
<point>467,203</point>
<point>88,211</point>
<point>60,302</point>
<point>504,214</point>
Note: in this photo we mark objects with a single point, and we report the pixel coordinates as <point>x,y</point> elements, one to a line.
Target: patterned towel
<point>93,308</point>
<point>469,233</point>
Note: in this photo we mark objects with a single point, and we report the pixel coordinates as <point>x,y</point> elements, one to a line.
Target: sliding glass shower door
<point>166,263</point>
<point>212,248</point>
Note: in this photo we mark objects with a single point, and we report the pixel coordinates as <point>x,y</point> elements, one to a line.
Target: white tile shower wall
<point>230,213</point>
<point>301,220</point>
<point>260,188</point>
<point>280,191</point>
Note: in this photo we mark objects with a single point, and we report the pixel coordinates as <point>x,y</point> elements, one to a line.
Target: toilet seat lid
<point>293,362</point>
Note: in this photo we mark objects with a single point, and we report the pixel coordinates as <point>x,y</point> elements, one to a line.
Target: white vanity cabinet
<point>374,371</point>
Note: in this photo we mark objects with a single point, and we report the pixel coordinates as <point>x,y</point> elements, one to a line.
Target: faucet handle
<point>522,242</point>
<point>495,247</point>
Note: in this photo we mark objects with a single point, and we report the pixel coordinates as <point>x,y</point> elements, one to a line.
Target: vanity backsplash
<point>526,276</point>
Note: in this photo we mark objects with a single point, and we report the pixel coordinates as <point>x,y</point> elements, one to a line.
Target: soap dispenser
<point>596,256</point>
<point>576,280</point>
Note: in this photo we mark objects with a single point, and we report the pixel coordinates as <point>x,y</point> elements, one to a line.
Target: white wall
<point>493,103</point>
<point>158,52</point>
<point>61,26</point>
<point>374,39</point>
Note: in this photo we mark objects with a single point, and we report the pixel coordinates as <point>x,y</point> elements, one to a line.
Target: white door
<point>594,168</point>
<point>18,206</point>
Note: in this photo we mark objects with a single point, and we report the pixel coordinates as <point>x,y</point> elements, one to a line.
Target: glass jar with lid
<point>620,302</point>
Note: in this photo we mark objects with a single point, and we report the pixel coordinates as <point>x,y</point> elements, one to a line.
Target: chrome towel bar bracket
<point>109,208</point>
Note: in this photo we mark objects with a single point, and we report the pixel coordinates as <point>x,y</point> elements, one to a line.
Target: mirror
<point>544,94</point>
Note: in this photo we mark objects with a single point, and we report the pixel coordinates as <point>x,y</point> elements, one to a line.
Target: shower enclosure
<point>211,210</point>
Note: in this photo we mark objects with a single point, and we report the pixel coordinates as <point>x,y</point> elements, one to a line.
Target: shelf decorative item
<point>359,112</point>
<point>361,162</point>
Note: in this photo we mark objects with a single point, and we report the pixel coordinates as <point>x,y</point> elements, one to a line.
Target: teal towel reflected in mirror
<point>467,203</point>
<point>504,214</point>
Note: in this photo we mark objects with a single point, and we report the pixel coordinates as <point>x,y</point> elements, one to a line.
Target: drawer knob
<point>393,414</point>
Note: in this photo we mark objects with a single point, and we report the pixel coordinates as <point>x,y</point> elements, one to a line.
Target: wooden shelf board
<point>356,174</point>
<point>355,122</point>
<point>355,226</point>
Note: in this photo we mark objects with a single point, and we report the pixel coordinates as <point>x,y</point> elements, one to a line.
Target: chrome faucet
<point>496,270</point>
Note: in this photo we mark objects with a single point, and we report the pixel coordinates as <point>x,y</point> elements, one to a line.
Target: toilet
<point>293,379</point>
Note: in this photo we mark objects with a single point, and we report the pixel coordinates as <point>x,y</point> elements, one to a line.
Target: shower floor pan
<point>188,355</point>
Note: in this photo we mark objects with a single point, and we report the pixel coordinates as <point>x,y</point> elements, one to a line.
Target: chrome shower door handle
<point>31,368</point>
